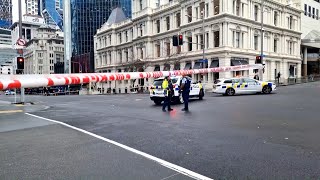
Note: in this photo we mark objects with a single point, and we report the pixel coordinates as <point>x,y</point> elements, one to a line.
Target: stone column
<point>305,62</point>
<point>273,67</point>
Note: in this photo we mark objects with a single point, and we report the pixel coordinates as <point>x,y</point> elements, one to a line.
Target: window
<point>317,14</point>
<point>158,26</point>
<point>313,12</point>
<point>168,22</point>
<point>290,19</point>
<point>126,34</point>
<point>216,38</point>
<point>256,39</point>
<point>178,49</point>
<point>189,43</point>
<point>216,7</point>
<point>141,30</point>
<point>236,39</point>
<point>127,56</point>
<point>202,41</point>
<point>207,10</point>
<point>256,9</point>
<point>189,12</point>
<point>309,11</point>
<point>237,8</point>
<point>178,19</point>
<point>168,49</point>
<point>305,9</point>
<point>207,41</point>
<point>202,12</point>
<point>275,45</point>
<point>141,5</point>
<point>290,47</point>
<point>275,18</point>
<point>158,50</point>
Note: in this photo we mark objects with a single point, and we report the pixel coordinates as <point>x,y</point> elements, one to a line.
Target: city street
<point>272,136</point>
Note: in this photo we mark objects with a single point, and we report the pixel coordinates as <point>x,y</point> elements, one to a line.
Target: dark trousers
<point>167,102</point>
<point>185,96</point>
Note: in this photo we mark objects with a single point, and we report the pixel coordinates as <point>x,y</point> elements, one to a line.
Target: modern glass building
<point>50,10</point>
<point>126,7</point>
<point>5,13</point>
<point>86,17</point>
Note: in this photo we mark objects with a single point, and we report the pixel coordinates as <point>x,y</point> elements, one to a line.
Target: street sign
<point>21,42</point>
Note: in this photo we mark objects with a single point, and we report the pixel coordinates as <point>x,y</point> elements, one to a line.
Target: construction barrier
<point>47,80</point>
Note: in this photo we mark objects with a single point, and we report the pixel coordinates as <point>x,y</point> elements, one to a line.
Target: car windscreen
<point>158,82</point>
<point>174,80</point>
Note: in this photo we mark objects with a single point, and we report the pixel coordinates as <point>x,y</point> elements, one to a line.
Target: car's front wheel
<point>230,92</point>
<point>266,89</point>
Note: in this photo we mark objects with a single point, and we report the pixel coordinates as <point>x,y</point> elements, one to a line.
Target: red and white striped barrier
<point>45,80</point>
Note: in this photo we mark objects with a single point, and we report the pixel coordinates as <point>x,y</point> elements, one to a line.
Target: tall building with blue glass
<point>52,12</point>
<point>86,17</point>
<point>5,13</point>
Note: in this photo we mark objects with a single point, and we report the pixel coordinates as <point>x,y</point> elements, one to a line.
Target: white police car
<point>157,93</point>
<point>9,92</point>
<point>242,85</point>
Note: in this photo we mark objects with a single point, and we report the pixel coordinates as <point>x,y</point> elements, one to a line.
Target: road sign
<point>21,42</point>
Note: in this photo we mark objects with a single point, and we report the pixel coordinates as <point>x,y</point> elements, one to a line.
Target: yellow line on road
<point>10,111</point>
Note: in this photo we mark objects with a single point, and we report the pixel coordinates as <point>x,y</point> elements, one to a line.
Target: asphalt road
<point>242,137</point>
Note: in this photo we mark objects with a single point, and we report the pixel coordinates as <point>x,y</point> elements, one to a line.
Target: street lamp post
<point>262,30</point>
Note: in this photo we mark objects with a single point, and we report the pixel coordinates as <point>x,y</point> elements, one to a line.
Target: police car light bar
<point>47,80</point>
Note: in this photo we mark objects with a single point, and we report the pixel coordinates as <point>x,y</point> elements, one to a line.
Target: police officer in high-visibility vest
<point>185,90</point>
<point>167,88</point>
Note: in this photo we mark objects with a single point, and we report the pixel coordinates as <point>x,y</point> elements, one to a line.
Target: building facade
<point>86,18</point>
<point>44,51</point>
<point>6,68</point>
<point>32,7</point>
<point>30,24</point>
<point>231,36</point>
<point>7,54</point>
<point>5,13</point>
<point>310,38</point>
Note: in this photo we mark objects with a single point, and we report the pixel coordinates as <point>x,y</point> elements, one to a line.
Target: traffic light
<point>175,41</point>
<point>20,63</point>
<point>180,40</point>
<point>258,60</point>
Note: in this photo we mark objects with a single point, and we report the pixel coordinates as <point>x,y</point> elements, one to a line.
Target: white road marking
<point>164,163</point>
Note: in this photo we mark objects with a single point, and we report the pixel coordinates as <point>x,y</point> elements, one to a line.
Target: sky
<point>15,14</point>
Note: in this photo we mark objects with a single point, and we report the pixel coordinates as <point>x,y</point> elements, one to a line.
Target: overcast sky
<point>15,14</point>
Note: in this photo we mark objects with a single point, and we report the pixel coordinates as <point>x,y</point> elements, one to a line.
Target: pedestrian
<point>166,92</point>
<point>185,90</point>
<point>278,77</point>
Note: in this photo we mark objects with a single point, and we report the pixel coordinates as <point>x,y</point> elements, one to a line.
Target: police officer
<point>185,90</point>
<point>166,90</point>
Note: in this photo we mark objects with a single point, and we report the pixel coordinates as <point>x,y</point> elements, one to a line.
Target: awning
<point>214,64</point>
<point>239,62</point>
<point>188,66</point>
<point>198,65</point>
<point>157,68</point>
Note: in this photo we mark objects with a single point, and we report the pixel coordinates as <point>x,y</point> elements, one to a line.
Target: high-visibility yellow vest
<point>200,85</point>
<point>165,87</point>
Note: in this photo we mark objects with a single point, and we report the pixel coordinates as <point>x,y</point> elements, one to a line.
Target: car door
<point>194,89</point>
<point>253,86</point>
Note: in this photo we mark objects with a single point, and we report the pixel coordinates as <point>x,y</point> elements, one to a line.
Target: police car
<point>234,86</point>
<point>157,93</point>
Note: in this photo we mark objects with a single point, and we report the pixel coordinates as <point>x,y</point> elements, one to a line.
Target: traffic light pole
<point>20,37</point>
<point>261,54</point>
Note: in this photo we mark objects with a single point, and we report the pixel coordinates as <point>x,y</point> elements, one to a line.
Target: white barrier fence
<point>47,80</point>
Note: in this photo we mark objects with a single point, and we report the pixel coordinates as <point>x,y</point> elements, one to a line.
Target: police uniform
<point>166,90</point>
<point>186,91</point>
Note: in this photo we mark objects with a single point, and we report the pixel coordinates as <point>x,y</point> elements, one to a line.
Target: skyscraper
<point>86,17</point>
<point>51,11</point>
<point>5,13</point>
<point>32,7</point>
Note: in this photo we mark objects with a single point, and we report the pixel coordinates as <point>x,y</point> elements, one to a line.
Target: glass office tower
<point>5,13</point>
<point>126,7</point>
<point>86,17</point>
<point>50,10</point>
